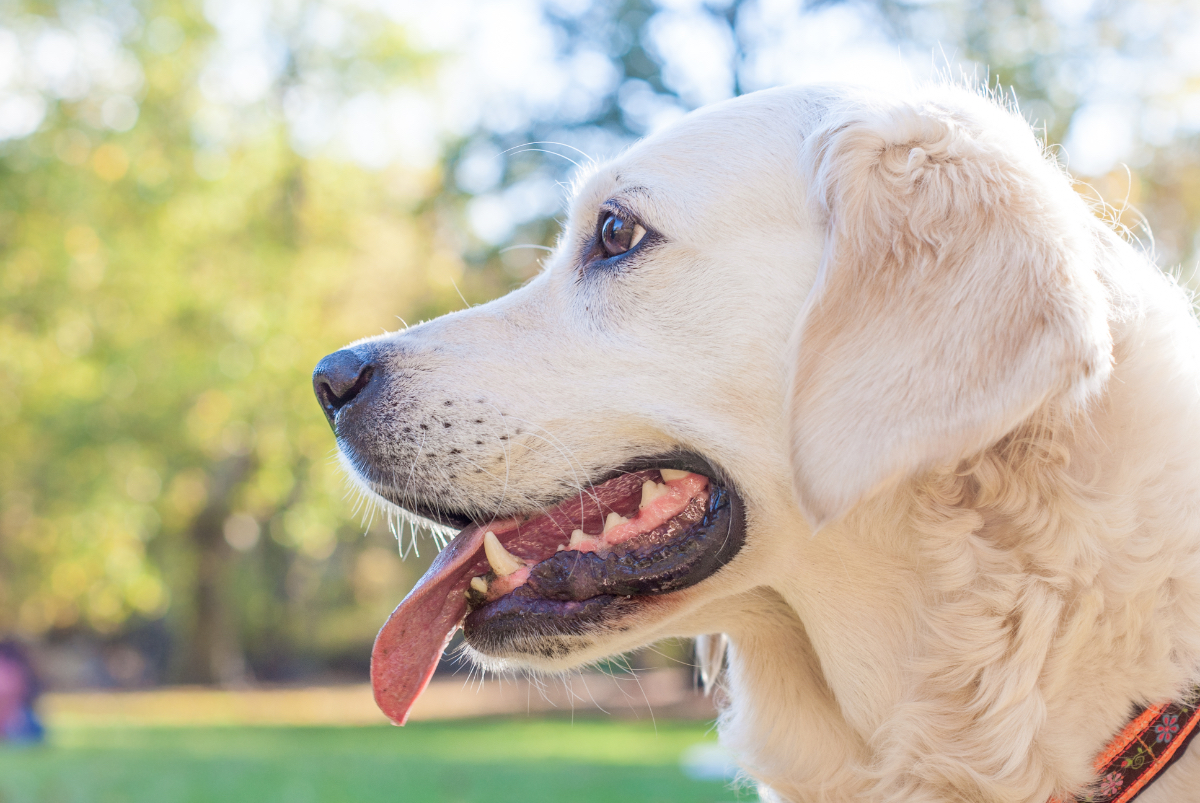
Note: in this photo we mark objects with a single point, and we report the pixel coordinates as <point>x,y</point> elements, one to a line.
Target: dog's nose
<point>338,378</point>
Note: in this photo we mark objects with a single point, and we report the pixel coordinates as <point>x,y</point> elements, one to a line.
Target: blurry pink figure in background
<point>12,692</point>
<point>18,690</point>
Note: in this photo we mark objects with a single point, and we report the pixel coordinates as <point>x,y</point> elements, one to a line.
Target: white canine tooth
<point>650,491</point>
<point>561,548</point>
<point>479,584</point>
<point>577,537</point>
<point>670,474</point>
<point>502,561</point>
<point>614,520</point>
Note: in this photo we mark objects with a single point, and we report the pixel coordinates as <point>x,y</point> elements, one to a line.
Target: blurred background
<point>198,200</point>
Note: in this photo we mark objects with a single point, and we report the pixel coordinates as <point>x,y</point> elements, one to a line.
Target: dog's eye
<point>618,235</point>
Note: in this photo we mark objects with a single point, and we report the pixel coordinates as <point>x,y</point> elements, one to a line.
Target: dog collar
<point>1154,740</point>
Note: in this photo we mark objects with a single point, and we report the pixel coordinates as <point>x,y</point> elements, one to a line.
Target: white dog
<point>862,383</point>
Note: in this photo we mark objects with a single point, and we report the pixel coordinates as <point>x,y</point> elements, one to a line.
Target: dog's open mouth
<point>579,566</point>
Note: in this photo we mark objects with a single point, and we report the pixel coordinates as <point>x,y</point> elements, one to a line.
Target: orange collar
<point>1154,740</point>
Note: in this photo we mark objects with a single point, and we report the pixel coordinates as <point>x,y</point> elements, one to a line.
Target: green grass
<point>495,761</point>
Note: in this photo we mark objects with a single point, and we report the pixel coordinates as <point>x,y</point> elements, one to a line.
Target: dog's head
<point>753,321</point>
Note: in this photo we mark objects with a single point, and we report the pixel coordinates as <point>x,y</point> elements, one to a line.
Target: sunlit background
<point>199,200</point>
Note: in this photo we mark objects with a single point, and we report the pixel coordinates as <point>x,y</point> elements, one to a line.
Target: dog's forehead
<point>742,151</point>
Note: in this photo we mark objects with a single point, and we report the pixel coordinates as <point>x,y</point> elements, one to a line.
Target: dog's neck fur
<point>1056,583</point>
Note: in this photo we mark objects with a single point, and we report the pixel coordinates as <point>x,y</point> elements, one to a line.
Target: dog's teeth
<point>669,474</point>
<point>479,584</point>
<point>502,561</point>
<point>577,537</point>
<point>650,491</point>
<point>614,520</point>
<point>561,548</point>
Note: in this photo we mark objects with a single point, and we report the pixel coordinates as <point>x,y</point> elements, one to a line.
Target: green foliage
<point>169,279</point>
<point>161,308</point>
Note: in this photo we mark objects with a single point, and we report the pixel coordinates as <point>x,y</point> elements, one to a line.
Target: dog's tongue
<point>409,646</point>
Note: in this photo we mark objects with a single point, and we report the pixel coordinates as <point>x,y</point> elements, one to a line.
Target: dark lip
<point>526,622</point>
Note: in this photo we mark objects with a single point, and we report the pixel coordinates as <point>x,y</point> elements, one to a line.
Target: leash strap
<point>1153,741</point>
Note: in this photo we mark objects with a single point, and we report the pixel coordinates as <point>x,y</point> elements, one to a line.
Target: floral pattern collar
<point>1154,740</point>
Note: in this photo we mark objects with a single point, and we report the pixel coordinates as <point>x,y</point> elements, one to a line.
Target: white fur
<point>962,412</point>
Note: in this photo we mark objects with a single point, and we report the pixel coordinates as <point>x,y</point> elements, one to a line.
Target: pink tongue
<point>411,643</point>
<point>409,646</point>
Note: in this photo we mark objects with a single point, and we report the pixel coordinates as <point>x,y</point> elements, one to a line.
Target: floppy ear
<point>957,295</point>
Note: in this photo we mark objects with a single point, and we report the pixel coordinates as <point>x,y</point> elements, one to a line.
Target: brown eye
<point>618,235</point>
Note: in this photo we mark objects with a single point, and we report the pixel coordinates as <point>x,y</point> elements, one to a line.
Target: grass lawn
<point>497,761</point>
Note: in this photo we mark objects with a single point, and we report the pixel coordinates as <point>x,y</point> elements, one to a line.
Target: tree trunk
<point>214,652</point>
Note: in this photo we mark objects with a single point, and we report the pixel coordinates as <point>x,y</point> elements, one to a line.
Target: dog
<point>858,381</point>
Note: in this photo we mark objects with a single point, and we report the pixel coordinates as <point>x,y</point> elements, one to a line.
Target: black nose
<point>338,378</point>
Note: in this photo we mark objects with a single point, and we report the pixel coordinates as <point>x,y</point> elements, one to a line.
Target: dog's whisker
<point>527,148</point>
<point>566,453</point>
<point>473,464</point>
<point>534,246</point>
<point>587,157</point>
<point>645,697</point>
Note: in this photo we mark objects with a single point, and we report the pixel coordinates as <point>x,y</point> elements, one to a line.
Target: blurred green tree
<point>162,301</point>
<point>180,243</point>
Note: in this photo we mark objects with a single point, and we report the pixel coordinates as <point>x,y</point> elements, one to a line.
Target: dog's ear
<point>957,294</point>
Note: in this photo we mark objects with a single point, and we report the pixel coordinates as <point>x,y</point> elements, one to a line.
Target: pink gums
<point>666,507</point>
